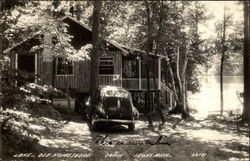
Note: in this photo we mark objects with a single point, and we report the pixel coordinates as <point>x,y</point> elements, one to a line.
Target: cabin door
<point>26,63</point>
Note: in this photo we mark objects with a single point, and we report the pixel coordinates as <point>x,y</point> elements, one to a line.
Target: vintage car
<point>111,104</point>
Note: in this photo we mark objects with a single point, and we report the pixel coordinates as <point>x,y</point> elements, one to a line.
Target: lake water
<point>208,99</point>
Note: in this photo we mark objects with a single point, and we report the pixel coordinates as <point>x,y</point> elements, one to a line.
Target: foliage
<point>170,20</point>
<point>16,91</point>
<point>233,45</point>
<point>41,17</point>
<point>233,48</point>
<point>20,132</point>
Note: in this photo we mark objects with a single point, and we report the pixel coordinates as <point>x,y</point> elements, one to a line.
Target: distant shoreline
<point>223,75</point>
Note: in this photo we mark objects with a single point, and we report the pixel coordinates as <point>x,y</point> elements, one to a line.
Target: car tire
<point>131,126</point>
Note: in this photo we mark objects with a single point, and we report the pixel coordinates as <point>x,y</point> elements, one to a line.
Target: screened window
<point>64,67</point>
<point>106,65</point>
<point>130,68</point>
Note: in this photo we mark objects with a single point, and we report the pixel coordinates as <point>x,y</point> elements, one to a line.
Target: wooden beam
<point>16,61</point>
<point>139,72</point>
<point>171,100</point>
<point>159,73</point>
<point>35,67</point>
<point>16,65</point>
<point>120,57</point>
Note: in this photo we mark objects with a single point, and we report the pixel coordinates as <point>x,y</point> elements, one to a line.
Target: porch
<point>129,83</point>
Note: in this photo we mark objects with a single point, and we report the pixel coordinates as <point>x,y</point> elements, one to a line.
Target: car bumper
<point>114,120</point>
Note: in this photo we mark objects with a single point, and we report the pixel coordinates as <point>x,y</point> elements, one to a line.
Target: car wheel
<point>131,126</point>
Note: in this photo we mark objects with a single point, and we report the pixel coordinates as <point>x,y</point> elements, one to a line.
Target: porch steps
<point>166,97</point>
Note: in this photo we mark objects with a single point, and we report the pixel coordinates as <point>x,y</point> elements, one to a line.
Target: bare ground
<point>214,138</point>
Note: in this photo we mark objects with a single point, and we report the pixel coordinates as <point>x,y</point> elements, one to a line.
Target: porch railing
<point>167,95</point>
<point>114,79</point>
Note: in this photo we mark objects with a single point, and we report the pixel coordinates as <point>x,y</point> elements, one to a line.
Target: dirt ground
<point>211,139</point>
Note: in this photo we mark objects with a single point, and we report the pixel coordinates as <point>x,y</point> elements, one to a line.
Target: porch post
<point>16,60</point>
<point>35,67</point>
<point>121,60</point>
<point>140,73</point>
<point>171,100</point>
<point>159,73</point>
<point>16,65</point>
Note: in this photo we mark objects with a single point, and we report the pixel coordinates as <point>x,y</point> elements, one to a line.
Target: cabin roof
<point>20,43</point>
<point>88,28</point>
<point>125,49</point>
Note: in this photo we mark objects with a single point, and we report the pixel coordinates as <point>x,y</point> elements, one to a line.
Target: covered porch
<point>134,75</point>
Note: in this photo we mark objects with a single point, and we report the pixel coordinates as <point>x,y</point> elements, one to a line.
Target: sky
<point>216,8</point>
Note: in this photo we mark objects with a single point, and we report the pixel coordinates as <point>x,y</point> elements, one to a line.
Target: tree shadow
<point>77,138</point>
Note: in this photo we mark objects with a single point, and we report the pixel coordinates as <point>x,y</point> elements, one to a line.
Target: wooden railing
<point>113,79</point>
<point>168,94</point>
<point>130,83</point>
<point>139,84</point>
<point>153,83</point>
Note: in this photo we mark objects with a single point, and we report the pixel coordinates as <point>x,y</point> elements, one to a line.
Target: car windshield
<point>115,101</point>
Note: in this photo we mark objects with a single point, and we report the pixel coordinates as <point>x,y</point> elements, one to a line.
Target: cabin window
<point>130,68</point>
<point>27,68</point>
<point>23,65</point>
<point>106,65</point>
<point>64,67</point>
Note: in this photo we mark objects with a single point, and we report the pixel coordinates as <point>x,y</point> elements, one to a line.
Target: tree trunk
<point>172,80</point>
<point>221,83</point>
<point>178,72</point>
<point>183,60</point>
<point>94,70</point>
<point>185,112</point>
<point>148,47</point>
<point>181,106</point>
<point>246,105</point>
<point>2,27</point>
<point>158,49</point>
<point>1,30</point>
<point>222,63</point>
<point>53,79</point>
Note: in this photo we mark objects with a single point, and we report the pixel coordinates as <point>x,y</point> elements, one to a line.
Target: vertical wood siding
<point>80,81</point>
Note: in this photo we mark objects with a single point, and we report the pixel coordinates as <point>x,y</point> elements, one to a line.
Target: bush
<point>17,91</point>
<point>15,135</point>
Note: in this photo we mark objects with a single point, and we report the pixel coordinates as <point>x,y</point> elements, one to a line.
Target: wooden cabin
<point>118,65</point>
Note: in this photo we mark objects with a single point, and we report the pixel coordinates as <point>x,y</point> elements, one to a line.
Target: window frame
<point>107,65</point>
<point>73,64</point>
<point>124,59</point>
